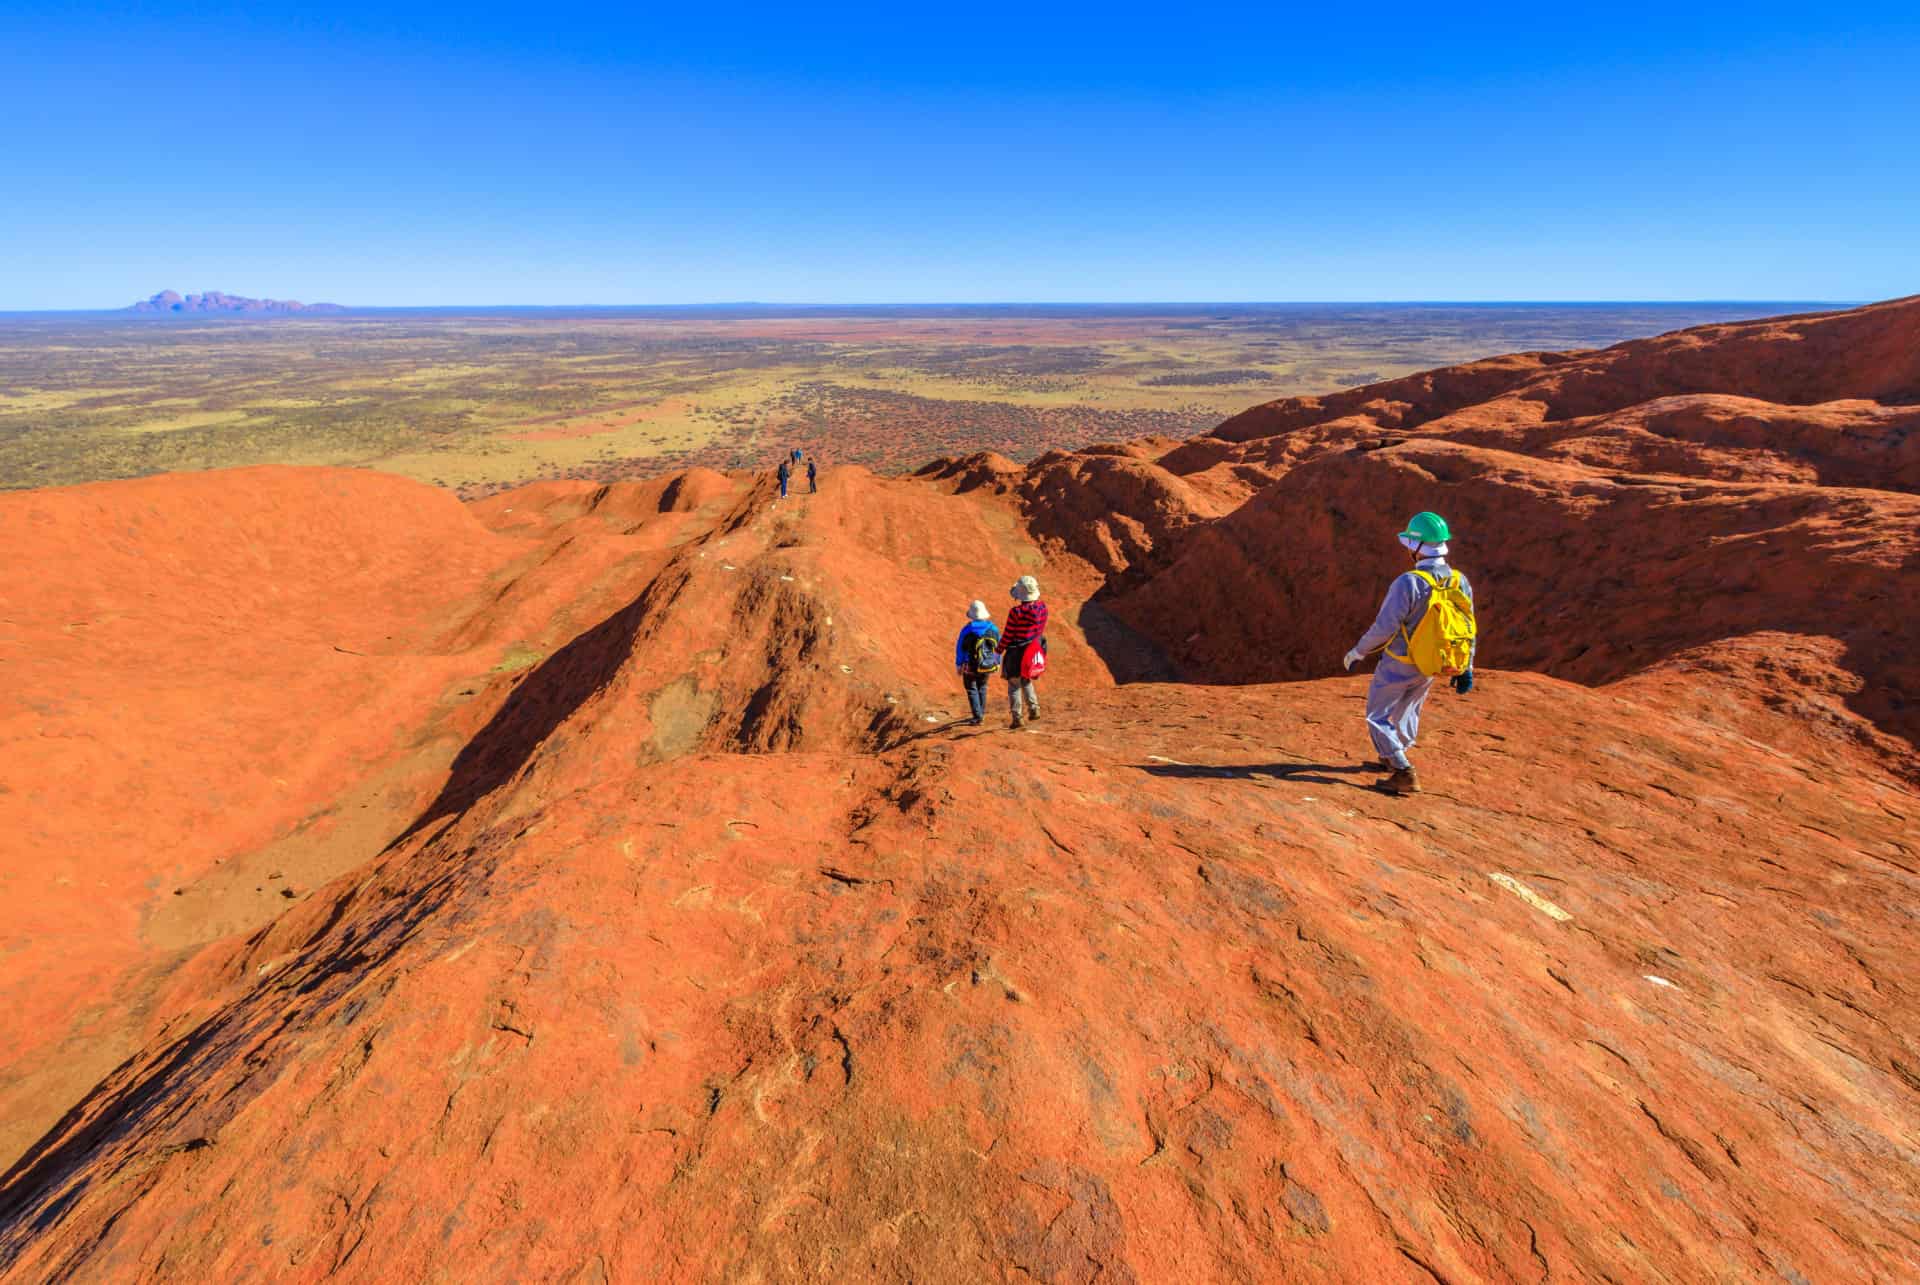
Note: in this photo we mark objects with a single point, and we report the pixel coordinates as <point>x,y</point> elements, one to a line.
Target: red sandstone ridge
<point>589,883</point>
<point>1618,508</point>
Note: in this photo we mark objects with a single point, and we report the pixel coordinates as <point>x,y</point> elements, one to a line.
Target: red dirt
<point>686,938</point>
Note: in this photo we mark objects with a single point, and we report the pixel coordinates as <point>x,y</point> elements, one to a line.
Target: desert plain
<point>480,400</point>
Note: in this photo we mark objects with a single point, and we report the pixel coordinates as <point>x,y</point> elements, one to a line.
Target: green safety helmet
<point>1428,528</point>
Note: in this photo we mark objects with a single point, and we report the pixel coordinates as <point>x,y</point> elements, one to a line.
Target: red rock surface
<point>650,920</point>
<point>1871,353</point>
<point>1614,509</point>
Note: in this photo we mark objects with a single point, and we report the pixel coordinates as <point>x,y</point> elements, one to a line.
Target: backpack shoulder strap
<point>1406,631</point>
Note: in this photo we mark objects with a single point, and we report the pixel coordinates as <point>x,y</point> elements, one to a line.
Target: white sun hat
<point>977,610</point>
<point>1027,590</point>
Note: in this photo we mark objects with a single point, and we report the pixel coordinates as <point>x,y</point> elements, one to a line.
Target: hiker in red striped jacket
<point>1026,628</point>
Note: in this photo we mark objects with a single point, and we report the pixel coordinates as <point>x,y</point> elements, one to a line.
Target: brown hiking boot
<point>1403,781</point>
<point>1033,715</point>
<point>1015,724</point>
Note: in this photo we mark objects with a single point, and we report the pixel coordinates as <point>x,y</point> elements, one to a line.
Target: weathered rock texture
<point>1615,509</point>
<point>591,884</point>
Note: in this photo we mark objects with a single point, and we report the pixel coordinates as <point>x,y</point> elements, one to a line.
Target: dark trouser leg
<point>977,695</point>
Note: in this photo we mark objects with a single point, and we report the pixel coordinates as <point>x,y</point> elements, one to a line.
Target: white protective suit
<point>1399,689</point>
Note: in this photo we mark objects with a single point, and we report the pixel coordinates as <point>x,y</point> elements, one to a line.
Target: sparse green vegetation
<point>519,657</point>
<point>1207,378</point>
<point>487,400</point>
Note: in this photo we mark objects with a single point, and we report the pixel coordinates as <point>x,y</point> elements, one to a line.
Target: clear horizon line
<point>963,303</point>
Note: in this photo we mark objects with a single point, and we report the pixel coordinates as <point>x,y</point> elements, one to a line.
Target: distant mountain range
<point>218,301</point>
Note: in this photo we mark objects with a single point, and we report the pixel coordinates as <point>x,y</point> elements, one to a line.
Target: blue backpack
<point>985,654</point>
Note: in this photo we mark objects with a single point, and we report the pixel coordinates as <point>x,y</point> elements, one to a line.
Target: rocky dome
<point>216,301</point>
<point>593,883</point>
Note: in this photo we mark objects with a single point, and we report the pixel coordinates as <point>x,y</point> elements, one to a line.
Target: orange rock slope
<point>593,884</point>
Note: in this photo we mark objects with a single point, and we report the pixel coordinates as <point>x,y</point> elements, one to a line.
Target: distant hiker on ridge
<point>976,654</point>
<point>1024,641</point>
<point>1429,613</point>
<point>786,474</point>
<point>813,475</point>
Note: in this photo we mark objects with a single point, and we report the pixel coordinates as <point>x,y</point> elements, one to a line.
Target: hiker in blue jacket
<point>1399,689</point>
<point>976,655</point>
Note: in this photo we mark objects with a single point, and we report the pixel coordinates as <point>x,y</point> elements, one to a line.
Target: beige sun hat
<point>977,610</point>
<point>1027,590</point>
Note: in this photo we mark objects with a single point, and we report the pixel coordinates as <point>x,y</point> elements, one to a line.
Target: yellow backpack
<point>1442,643</point>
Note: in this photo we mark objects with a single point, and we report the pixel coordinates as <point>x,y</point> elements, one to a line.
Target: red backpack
<point>1034,663</point>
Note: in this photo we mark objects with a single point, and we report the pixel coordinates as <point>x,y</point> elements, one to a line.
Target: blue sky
<point>480,154</point>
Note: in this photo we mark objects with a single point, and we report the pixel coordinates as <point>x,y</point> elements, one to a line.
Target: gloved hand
<point>1351,659</point>
<point>1463,683</point>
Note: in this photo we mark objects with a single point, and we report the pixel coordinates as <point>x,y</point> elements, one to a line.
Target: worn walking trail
<point>598,888</point>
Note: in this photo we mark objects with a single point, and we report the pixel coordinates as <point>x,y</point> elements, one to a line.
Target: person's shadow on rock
<point>1306,773</point>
